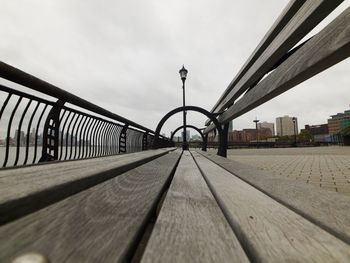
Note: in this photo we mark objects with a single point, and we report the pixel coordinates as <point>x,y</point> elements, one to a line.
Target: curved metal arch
<point>187,126</point>
<point>221,150</point>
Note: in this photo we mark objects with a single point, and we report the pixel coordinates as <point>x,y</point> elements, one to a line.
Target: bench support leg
<point>222,151</point>
<point>205,142</point>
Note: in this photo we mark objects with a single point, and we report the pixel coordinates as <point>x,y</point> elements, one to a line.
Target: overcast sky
<point>125,55</point>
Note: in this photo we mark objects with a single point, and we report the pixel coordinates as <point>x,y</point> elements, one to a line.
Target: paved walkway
<point>325,167</point>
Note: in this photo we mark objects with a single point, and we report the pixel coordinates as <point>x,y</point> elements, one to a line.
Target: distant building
<point>188,135</point>
<point>285,126</point>
<point>267,125</point>
<point>196,137</point>
<point>230,126</point>
<point>247,135</point>
<point>22,138</point>
<point>338,122</point>
<point>316,129</point>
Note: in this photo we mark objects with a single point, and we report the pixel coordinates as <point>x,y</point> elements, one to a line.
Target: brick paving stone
<point>324,167</point>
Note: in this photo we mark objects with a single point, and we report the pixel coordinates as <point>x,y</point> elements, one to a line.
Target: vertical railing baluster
<point>37,133</point>
<point>67,135</point>
<point>97,138</point>
<point>19,132</point>
<point>28,133</point>
<point>62,135</point>
<point>9,131</point>
<point>5,104</point>
<point>90,136</point>
<point>82,147</point>
<point>109,140</point>
<point>72,136</point>
<point>100,151</point>
<point>78,133</point>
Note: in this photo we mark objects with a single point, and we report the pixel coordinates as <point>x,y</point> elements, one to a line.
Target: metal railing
<point>34,129</point>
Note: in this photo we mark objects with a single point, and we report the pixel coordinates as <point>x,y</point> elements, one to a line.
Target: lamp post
<point>183,75</point>
<point>257,133</point>
<point>294,119</point>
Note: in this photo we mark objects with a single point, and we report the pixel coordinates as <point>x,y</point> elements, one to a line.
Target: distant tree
<point>305,136</point>
<point>283,138</point>
<point>345,133</point>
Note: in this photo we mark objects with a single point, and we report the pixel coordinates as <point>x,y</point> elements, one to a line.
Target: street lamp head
<point>183,73</point>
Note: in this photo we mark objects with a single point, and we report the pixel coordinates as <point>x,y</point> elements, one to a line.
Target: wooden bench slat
<point>100,224</point>
<point>326,209</point>
<point>190,226</point>
<point>324,50</point>
<point>288,12</point>
<point>305,19</point>
<point>269,231</point>
<point>26,189</point>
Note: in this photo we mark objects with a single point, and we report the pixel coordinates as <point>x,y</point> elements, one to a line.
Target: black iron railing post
<point>51,133</point>
<point>145,141</point>
<point>122,139</point>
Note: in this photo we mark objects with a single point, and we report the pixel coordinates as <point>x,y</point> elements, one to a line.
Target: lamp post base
<point>185,146</point>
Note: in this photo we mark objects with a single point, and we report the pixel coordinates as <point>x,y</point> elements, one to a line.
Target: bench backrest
<point>279,63</point>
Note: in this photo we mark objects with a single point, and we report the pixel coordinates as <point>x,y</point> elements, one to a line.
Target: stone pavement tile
<point>330,188</point>
<point>318,166</point>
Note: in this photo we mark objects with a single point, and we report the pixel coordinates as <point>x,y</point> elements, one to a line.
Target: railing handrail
<point>20,77</point>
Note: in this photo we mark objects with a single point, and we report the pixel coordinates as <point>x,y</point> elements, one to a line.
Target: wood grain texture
<point>26,189</point>
<point>269,231</point>
<point>304,20</point>
<point>325,49</point>
<point>288,12</point>
<point>326,209</point>
<point>101,224</point>
<point>191,226</point>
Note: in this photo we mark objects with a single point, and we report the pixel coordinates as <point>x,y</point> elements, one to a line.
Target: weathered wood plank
<point>325,49</point>
<point>26,189</point>
<point>288,12</point>
<point>269,231</point>
<point>191,226</point>
<point>307,17</point>
<point>101,224</point>
<point>326,209</point>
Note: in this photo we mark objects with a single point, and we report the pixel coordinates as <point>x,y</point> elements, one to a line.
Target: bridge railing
<point>60,125</point>
<point>280,62</point>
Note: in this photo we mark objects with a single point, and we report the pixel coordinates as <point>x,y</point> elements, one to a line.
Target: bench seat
<point>181,206</point>
<point>100,224</point>
<point>29,188</point>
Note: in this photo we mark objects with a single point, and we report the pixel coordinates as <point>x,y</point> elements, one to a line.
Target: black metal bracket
<point>145,141</point>
<point>51,133</point>
<point>122,139</point>
<point>223,141</point>
<point>205,143</point>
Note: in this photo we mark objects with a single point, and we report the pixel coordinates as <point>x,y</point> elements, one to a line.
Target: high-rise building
<point>267,125</point>
<point>285,126</point>
<point>22,138</point>
<point>338,122</point>
<point>230,126</point>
